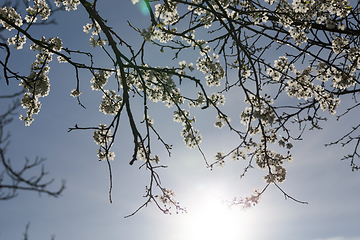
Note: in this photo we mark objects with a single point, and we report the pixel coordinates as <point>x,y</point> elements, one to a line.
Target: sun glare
<point>214,220</point>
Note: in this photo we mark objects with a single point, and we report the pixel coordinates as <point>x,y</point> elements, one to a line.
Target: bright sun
<point>213,220</point>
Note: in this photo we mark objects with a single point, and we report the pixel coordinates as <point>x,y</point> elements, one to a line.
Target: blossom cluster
<point>338,45</point>
<point>157,83</point>
<point>266,158</point>
<point>298,34</point>
<point>38,83</point>
<point>287,13</point>
<point>12,16</point>
<point>221,120</point>
<point>302,87</point>
<point>198,101</point>
<point>167,197</point>
<point>280,66</point>
<point>144,154</point>
<point>68,4</point>
<point>237,154</point>
<point>183,65</point>
<point>111,102</point>
<point>251,200</point>
<point>164,34</point>
<point>96,29</point>
<point>257,16</point>
<point>167,13</point>
<point>310,11</point>
<point>100,79</point>
<point>102,137</point>
<point>18,41</point>
<point>41,8</point>
<point>260,109</point>
<point>212,67</point>
<point>192,137</point>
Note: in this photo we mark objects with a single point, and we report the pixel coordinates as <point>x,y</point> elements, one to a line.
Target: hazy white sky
<point>83,211</point>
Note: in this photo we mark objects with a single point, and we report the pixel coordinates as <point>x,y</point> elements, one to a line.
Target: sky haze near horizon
<point>83,211</point>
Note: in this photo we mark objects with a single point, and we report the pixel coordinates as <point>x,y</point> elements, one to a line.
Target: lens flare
<point>143,8</point>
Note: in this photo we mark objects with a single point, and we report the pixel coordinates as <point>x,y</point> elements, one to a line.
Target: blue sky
<point>83,211</point>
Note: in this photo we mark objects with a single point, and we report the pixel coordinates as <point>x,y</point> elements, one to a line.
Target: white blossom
<point>338,45</point>
<point>100,79</point>
<point>17,41</point>
<point>110,103</point>
<point>69,4</point>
